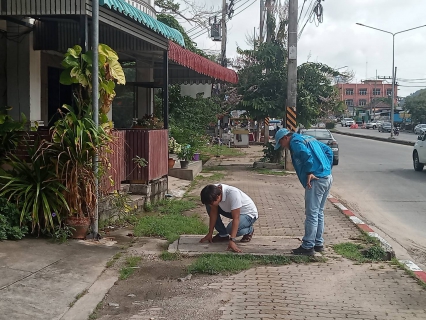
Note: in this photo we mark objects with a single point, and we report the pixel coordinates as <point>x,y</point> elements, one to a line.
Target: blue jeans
<point>245,226</point>
<point>315,199</point>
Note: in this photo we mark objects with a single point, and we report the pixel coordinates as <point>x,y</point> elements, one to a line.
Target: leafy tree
<point>416,106</point>
<point>316,95</point>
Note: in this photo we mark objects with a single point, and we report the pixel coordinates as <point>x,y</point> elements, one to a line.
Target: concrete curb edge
<point>362,225</point>
<point>403,142</point>
<point>410,265</point>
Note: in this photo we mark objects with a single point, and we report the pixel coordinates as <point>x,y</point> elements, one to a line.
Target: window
<point>349,102</point>
<point>388,92</point>
<point>349,92</point>
<point>362,92</point>
<point>362,102</point>
<point>376,92</point>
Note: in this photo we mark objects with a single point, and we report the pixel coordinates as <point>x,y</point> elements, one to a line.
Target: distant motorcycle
<point>396,131</point>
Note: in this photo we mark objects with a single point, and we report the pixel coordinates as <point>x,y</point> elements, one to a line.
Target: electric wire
<point>235,14</point>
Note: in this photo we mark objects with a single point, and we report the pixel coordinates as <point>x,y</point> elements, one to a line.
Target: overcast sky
<point>339,42</point>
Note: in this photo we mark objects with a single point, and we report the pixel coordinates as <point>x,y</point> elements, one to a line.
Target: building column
<point>35,82</point>
<point>3,64</point>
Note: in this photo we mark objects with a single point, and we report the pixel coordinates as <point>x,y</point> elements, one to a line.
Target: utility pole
<point>290,114</point>
<point>268,5</point>
<point>290,111</point>
<point>262,20</point>
<point>224,32</point>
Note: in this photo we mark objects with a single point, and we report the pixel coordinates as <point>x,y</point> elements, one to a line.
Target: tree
<point>416,106</point>
<point>316,95</point>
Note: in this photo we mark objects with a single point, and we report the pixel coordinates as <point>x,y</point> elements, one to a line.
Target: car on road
<point>324,136</point>
<point>385,127</point>
<point>371,125</point>
<point>419,152</point>
<point>419,128</point>
<point>347,122</point>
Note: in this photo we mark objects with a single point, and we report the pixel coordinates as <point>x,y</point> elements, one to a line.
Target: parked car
<point>419,128</point>
<point>385,127</point>
<point>347,122</point>
<point>419,152</point>
<point>371,125</point>
<point>325,137</point>
<point>379,124</point>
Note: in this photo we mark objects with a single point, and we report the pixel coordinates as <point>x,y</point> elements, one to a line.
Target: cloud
<point>338,41</point>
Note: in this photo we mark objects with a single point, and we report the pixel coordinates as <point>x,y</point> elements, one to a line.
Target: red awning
<point>200,64</point>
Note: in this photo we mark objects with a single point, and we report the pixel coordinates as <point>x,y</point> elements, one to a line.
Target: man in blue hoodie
<point>312,161</point>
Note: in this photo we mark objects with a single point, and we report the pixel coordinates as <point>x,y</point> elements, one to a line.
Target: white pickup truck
<point>419,152</point>
<point>347,122</point>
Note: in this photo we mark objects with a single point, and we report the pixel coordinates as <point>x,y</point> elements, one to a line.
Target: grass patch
<point>169,256</point>
<point>81,294</point>
<point>169,226</point>
<point>359,253</point>
<point>174,206</point>
<point>111,262</point>
<point>269,172</point>
<point>232,263</point>
<point>402,266</point>
<point>94,314</point>
<point>216,150</point>
<point>214,168</point>
<point>131,263</point>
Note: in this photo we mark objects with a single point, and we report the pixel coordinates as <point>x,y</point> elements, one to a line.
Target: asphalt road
<point>407,136</point>
<point>377,180</point>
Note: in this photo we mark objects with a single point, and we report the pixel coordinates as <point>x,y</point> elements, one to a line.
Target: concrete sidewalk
<point>337,289</point>
<point>40,279</point>
<point>403,138</point>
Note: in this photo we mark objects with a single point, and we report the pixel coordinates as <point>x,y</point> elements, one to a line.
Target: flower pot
<point>184,164</point>
<point>196,157</point>
<point>171,163</point>
<point>80,226</point>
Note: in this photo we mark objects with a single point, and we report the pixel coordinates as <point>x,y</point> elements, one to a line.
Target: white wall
<point>193,89</point>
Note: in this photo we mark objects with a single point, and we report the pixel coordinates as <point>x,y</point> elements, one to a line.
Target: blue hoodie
<point>310,156</point>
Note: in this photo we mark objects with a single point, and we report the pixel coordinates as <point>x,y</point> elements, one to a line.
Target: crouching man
<point>230,202</point>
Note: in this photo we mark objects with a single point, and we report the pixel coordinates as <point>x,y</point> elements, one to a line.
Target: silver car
<point>420,128</point>
<point>325,137</point>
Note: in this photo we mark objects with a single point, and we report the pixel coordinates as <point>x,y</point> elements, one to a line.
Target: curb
<point>409,265</point>
<point>403,142</point>
<point>363,226</point>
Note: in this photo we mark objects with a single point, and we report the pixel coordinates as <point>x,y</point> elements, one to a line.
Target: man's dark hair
<point>210,193</point>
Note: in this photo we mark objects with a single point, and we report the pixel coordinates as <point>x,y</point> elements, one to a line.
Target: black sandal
<point>247,237</point>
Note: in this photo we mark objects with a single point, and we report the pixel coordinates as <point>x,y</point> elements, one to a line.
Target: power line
<point>194,29</point>
<point>202,31</point>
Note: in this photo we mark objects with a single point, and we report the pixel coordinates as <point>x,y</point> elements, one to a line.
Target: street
<point>377,180</point>
<point>408,136</point>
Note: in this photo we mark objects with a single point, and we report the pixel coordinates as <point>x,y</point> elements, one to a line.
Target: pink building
<point>361,94</point>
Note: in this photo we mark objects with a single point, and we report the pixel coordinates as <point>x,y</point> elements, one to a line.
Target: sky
<point>339,42</point>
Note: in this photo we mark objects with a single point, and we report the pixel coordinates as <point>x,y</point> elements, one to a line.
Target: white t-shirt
<point>233,198</point>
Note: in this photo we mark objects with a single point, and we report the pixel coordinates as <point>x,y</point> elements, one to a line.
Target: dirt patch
<point>155,292</point>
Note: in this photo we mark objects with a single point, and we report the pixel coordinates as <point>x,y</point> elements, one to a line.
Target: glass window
<point>362,92</point>
<point>388,92</point>
<point>349,92</point>
<point>319,134</point>
<point>376,92</point>
<point>349,102</point>
<point>362,102</point>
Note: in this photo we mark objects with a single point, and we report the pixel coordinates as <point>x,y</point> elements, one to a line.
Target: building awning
<point>200,64</point>
<point>128,10</point>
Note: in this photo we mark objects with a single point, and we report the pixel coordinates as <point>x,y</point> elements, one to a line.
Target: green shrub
<point>330,125</point>
<point>10,226</point>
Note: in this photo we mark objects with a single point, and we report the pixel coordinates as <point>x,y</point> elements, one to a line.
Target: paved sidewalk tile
<point>334,290</point>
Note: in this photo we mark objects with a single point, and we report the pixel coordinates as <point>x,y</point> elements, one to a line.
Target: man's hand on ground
<point>310,178</point>
<point>233,247</point>
<point>207,238</point>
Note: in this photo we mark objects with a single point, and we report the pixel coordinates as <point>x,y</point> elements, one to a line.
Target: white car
<point>419,128</point>
<point>347,122</point>
<point>419,152</point>
<point>371,125</point>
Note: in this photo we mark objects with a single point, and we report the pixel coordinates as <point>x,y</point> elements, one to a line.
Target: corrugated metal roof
<point>148,21</point>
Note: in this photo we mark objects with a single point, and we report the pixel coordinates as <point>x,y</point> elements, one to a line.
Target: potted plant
<point>76,139</point>
<point>185,155</point>
<point>174,148</point>
<point>149,121</point>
